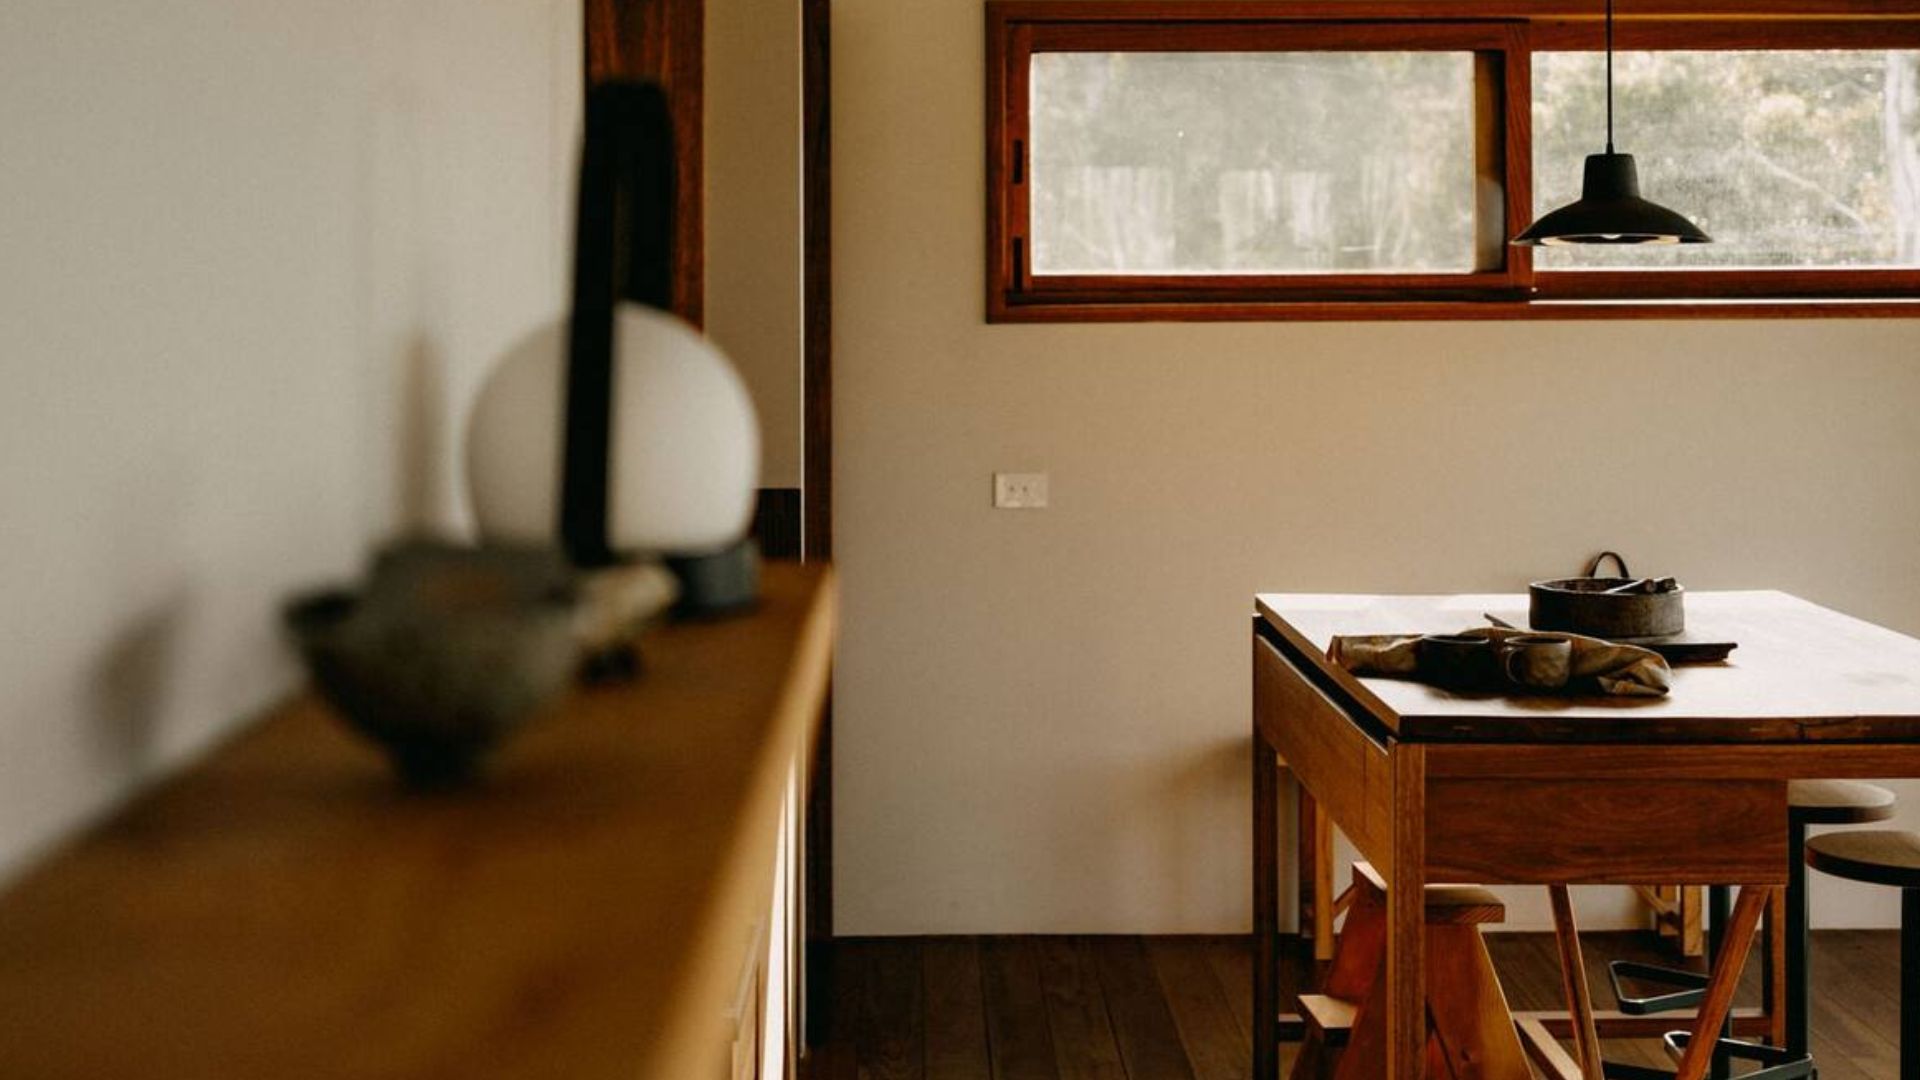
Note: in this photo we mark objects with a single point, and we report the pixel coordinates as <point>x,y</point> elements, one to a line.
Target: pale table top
<point>1802,672</point>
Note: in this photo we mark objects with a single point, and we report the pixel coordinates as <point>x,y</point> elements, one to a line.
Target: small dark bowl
<point>437,689</point>
<point>1584,606</point>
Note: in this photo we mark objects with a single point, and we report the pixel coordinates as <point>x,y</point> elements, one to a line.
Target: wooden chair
<point>1677,915</point>
<point>1885,857</point>
<point>1470,1031</point>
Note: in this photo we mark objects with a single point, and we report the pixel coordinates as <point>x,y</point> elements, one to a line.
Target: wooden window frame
<point>1503,35</point>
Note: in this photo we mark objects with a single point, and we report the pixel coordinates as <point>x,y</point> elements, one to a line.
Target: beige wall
<point>753,213</point>
<point>254,258</point>
<point>1041,717</point>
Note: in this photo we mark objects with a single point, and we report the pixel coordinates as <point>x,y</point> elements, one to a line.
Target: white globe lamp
<point>621,433</point>
<point>683,451</point>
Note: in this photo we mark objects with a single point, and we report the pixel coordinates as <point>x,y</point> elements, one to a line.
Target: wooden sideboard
<point>617,899</point>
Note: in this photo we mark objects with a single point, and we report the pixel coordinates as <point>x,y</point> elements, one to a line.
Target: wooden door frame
<point>664,41</point>
<point>816,494</point>
<point>817,283</point>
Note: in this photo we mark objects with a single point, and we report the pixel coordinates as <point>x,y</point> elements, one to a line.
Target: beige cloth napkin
<point>1604,667</point>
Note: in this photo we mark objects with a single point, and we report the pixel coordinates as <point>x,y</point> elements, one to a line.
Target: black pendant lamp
<point>1610,210</point>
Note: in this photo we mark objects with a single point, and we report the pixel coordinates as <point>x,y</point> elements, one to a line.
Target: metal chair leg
<point>1774,1064</point>
<point>1910,984</point>
<point>1798,975</point>
<point>1684,989</point>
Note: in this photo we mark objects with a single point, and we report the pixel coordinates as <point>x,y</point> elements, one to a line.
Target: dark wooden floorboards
<point>1178,1008</point>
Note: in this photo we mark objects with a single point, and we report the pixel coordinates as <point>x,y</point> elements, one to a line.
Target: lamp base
<point>724,583</point>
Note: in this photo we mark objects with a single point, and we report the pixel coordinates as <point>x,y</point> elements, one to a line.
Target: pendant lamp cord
<point>1609,76</point>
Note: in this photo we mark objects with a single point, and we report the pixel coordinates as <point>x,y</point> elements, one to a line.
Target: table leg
<point>1315,874</point>
<point>1719,909</point>
<point>1797,944</point>
<point>1406,983</point>
<point>1322,858</point>
<point>1573,981</point>
<point>1266,908</point>
<point>1773,983</point>
<point>1305,814</point>
<point>1692,941</point>
<point>1729,955</point>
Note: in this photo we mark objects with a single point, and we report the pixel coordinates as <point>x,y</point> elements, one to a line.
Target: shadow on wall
<point>1194,783</point>
<point>127,685</point>
<point>422,438</point>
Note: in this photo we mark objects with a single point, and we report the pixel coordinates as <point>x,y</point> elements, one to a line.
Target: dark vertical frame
<point>817,476</point>
<point>1503,147</point>
<point>664,41</point>
<point>1009,58</point>
<point>816,195</point>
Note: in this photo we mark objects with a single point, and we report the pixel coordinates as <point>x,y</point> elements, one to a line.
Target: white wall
<point>254,258</point>
<point>1040,718</point>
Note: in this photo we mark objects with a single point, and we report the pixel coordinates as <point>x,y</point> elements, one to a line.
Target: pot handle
<point>1593,568</point>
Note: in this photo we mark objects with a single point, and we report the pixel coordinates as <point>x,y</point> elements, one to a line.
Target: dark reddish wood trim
<point>816,195</point>
<point>1006,128</point>
<point>1515,134</point>
<point>1064,288</point>
<point>1697,35</point>
<point>1503,34</point>
<point>1550,285</point>
<point>817,284</point>
<point>1406,310</point>
<point>1271,36</point>
<point>1781,284</point>
<point>601,24</point>
<point>1218,11</point>
<point>664,41</point>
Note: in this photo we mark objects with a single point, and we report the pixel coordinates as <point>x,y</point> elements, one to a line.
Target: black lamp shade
<point>1611,211</point>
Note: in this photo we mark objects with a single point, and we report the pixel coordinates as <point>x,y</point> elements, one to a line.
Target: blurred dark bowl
<point>438,683</point>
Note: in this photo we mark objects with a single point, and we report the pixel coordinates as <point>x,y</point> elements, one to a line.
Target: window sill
<point>1440,311</point>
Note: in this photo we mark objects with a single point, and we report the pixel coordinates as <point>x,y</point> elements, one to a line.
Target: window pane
<point>1796,158</point>
<point>1195,163</point>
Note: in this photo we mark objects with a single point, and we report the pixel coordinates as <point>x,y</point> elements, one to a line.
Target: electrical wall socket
<point>1019,491</point>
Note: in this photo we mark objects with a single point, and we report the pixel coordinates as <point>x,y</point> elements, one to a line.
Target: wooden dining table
<point>1437,786</point>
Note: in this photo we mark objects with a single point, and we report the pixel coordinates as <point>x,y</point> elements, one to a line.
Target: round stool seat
<point>1837,802</point>
<point>1880,856</point>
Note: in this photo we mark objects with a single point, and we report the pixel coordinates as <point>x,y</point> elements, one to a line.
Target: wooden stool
<point>1470,1031</point>
<point>1677,915</point>
<point>1885,857</point>
<point>1816,802</point>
